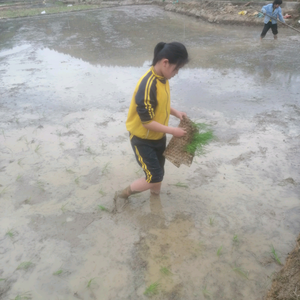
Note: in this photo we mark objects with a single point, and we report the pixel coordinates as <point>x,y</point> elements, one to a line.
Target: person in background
<point>271,12</point>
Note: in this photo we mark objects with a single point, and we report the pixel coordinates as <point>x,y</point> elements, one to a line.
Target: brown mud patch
<point>286,284</point>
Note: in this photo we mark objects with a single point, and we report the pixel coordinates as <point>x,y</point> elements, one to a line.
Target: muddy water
<point>66,84</point>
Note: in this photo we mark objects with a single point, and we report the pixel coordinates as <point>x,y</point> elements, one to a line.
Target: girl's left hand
<point>181,115</point>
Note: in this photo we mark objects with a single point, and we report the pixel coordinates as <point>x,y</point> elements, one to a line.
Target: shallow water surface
<point>66,84</point>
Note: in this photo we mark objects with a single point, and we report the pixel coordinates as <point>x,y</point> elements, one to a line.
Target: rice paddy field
<point>220,229</point>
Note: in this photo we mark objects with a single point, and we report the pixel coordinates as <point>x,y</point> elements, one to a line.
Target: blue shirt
<point>268,9</point>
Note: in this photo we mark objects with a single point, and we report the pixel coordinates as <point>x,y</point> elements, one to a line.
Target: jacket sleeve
<point>280,15</point>
<point>146,100</point>
<point>264,9</point>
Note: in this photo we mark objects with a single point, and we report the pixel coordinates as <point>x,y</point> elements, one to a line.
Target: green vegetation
<point>235,239</point>
<point>101,192</point>
<point>181,185</point>
<point>100,207</point>
<point>89,150</point>
<point>90,282</point>
<point>205,292</point>
<point>58,272</point>
<point>275,255</point>
<point>165,271</point>
<point>25,265</point>
<point>241,271</point>
<point>219,251</point>
<point>11,233</point>
<point>201,137</point>
<point>77,180</point>
<point>37,149</point>
<point>23,296</point>
<point>63,207</point>
<point>70,171</point>
<point>152,289</point>
<point>211,221</point>
<point>105,168</point>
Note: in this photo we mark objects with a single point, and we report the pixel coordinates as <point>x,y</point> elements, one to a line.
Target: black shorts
<point>149,155</point>
<point>267,27</point>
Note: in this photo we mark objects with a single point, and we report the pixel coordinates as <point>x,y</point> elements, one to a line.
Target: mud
<point>66,84</point>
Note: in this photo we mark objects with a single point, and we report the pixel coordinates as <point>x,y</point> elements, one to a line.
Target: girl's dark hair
<point>279,2</point>
<point>175,52</point>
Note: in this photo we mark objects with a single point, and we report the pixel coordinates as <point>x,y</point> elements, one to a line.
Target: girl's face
<point>169,70</point>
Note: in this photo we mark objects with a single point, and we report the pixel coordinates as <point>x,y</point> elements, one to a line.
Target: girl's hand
<point>178,132</point>
<point>181,115</point>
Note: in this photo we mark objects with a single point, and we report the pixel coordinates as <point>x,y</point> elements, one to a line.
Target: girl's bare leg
<point>141,185</point>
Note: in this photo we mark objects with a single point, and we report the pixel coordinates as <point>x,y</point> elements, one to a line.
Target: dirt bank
<point>286,284</point>
<point>228,13</point>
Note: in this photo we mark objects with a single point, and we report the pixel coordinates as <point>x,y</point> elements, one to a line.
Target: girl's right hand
<point>178,132</point>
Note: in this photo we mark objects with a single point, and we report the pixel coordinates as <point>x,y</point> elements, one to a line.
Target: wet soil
<point>66,84</point>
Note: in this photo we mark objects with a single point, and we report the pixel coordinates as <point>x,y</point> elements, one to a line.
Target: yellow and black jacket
<point>150,102</point>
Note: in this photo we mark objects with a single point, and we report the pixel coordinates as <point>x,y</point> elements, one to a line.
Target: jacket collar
<point>160,78</point>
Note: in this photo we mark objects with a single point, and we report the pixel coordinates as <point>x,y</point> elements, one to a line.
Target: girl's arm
<point>155,126</point>
<point>178,114</point>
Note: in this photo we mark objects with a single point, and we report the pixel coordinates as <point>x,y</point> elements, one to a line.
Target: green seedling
<point>275,255</point>
<point>165,271</point>
<point>81,143</point>
<point>89,150</point>
<point>20,161</point>
<point>100,207</point>
<point>201,137</point>
<point>63,207</point>
<point>25,265</point>
<point>19,178</point>
<point>235,239</point>
<point>101,192</point>
<point>219,251</point>
<point>105,168</point>
<point>90,282</point>
<point>21,138</point>
<point>70,171</point>
<point>3,134</point>
<point>61,144</point>
<point>24,296</point>
<point>27,201</point>
<point>40,185</point>
<point>211,221</point>
<point>58,272</point>
<point>206,292</point>
<point>241,271</point>
<point>180,184</point>
<point>152,289</point>
<point>26,141</point>
<point>77,180</point>
<point>3,191</point>
<point>37,149</point>
<point>11,233</point>
<point>58,132</point>
<point>103,146</point>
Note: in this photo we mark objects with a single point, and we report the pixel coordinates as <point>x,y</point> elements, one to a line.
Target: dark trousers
<point>267,27</point>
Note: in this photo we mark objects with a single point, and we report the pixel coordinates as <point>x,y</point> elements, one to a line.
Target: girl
<point>274,11</point>
<point>148,117</point>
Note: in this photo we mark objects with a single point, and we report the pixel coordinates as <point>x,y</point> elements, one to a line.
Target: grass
<point>61,144</point>
<point>101,192</point>
<point>19,178</point>
<point>152,289</point>
<point>241,272</point>
<point>165,271</point>
<point>275,255</point>
<point>23,296</point>
<point>219,251</point>
<point>70,171</point>
<point>25,265</point>
<point>11,233</point>
<point>206,292</point>
<point>180,184</point>
<point>89,150</point>
<point>20,161</point>
<point>235,238</point>
<point>211,221</point>
<point>27,12</point>
<point>77,180</point>
<point>41,185</point>
<point>37,149</point>
<point>201,137</point>
<point>63,207</point>
<point>105,168</point>
<point>90,282</point>
<point>58,272</point>
<point>100,207</point>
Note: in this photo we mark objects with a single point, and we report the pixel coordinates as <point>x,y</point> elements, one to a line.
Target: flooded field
<point>66,84</point>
